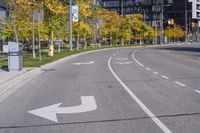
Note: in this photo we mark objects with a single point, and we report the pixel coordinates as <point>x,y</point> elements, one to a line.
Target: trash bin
<point>15,57</point>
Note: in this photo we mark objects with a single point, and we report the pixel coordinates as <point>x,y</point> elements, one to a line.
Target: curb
<point>15,83</point>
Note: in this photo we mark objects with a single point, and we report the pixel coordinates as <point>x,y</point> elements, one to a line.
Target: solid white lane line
<point>148,69</point>
<point>197,91</point>
<point>165,77</point>
<point>133,55</point>
<point>156,73</point>
<point>139,102</point>
<point>179,83</point>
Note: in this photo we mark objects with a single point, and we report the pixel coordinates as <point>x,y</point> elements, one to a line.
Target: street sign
<point>2,14</point>
<point>38,14</point>
<point>75,13</point>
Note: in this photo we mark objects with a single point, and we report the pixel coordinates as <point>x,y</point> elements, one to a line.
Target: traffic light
<point>171,21</point>
<point>193,24</point>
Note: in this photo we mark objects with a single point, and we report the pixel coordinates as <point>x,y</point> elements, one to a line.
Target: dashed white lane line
<point>147,68</point>
<point>197,91</point>
<point>165,77</point>
<point>179,83</point>
<point>139,102</point>
<point>156,73</point>
<point>133,55</point>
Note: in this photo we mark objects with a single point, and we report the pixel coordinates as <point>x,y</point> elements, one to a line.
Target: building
<point>152,9</point>
<point>158,12</point>
<point>186,14</point>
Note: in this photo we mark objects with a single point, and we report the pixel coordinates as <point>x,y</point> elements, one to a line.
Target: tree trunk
<point>110,39</point>
<point>122,41</point>
<point>59,45</point>
<point>78,40</point>
<point>140,41</point>
<point>85,43</point>
<point>116,39</point>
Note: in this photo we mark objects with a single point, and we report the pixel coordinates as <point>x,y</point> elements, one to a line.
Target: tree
<point>109,23</point>
<point>175,32</point>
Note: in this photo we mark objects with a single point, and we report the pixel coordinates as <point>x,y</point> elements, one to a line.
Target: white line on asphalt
<point>139,102</point>
<point>133,55</point>
<point>114,54</point>
<point>148,69</point>
<point>84,63</point>
<point>121,59</point>
<point>179,83</point>
<point>165,77</point>
<point>88,103</point>
<point>156,73</point>
<point>197,91</point>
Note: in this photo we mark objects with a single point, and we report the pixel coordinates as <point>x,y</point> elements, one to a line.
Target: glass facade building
<point>185,13</point>
<point>151,9</point>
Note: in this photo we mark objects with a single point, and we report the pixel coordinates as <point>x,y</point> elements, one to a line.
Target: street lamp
<point>70,27</point>
<point>161,22</point>
<point>122,13</point>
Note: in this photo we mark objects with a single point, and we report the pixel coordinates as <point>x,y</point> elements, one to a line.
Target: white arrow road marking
<point>50,112</point>
<point>123,63</point>
<point>84,63</point>
<point>121,59</point>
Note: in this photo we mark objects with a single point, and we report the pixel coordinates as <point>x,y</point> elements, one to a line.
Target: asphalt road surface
<point>143,90</point>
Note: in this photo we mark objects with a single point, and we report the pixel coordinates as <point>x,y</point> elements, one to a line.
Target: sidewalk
<point>5,75</point>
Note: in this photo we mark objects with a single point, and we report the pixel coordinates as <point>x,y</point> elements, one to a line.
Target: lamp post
<point>161,25</point>
<point>33,31</point>
<point>39,19</point>
<point>186,25</point>
<point>70,27</point>
<point>122,13</point>
<point>33,34</point>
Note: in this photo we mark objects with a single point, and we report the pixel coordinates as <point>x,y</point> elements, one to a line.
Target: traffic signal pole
<point>186,25</point>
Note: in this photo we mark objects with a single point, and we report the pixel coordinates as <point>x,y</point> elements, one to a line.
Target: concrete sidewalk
<point>6,75</point>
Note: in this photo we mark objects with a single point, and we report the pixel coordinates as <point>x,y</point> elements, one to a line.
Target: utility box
<point>15,57</point>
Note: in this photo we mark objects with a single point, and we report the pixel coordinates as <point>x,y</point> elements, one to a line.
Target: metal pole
<point>33,28</point>
<point>122,13</point>
<point>122,7</point>
<point>156,41</point>
<point>39,35</point>
<point>70,27</point>
<point>186,26</point>
<point>161,28</point>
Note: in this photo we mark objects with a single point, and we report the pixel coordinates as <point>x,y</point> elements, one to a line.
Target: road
<point>143,90</point>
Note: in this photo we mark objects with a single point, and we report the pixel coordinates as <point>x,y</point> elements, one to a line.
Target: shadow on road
<point>183,48</point>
